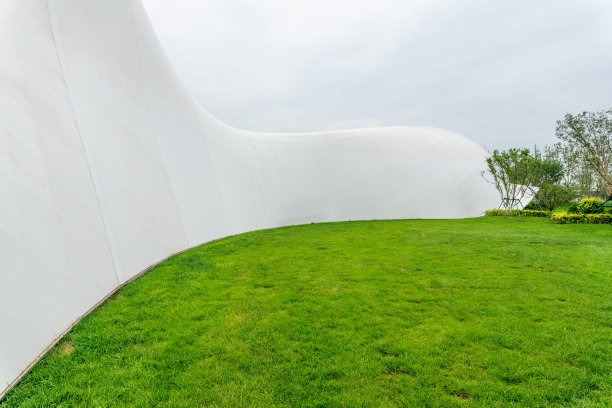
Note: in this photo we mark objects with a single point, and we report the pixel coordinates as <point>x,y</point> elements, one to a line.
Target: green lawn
<point>485,312</point>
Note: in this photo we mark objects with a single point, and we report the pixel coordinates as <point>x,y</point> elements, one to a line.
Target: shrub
<point>514,213</point>
<point>501,213</point>
<point>589,205</point>
<point>567,218</point>
<point>533,205</point>
<point>572,208</point>
<point>536,213</point>
<point>553,195</point>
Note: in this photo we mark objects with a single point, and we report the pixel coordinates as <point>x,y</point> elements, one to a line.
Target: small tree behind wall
<point>548,174</point>
<point>510,171</point>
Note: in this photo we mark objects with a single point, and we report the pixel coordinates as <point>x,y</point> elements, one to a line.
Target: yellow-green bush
<point>514,213</point>
<point>567,218</point>
<point>589,205</point>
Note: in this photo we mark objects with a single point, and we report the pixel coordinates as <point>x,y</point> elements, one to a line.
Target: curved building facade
<point>108,166</point>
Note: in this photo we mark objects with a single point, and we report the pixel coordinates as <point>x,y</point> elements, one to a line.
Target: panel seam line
<point>79,132</point>
<point>153,123</point>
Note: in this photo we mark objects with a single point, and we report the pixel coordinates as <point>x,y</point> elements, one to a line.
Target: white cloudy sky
<point>500,72</point>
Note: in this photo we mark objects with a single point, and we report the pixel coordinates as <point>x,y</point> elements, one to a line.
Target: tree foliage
<point>555,194</point>
<point>518,173</point>
<point>580,165</point>
<point>590,135</point>
<point>545,170</point>
<point>510,171</point>
<point>576,170</point>
<point>548,175</point>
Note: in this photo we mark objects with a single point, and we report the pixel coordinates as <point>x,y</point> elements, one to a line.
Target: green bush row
<point>568,218</point>
<point>525,213</point>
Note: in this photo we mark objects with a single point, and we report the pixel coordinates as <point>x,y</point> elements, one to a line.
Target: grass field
<point>486,312</point>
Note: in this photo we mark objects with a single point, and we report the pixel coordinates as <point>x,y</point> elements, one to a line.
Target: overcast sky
<point>500,72</point>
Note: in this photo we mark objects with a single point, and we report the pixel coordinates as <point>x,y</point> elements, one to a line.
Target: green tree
<point>510,171</point>
<point>552,195</point>
<point>547,177</point>
<point>590,133</point>
<point>576,171</point>
<point>547,180</point>
<point>545,170</point>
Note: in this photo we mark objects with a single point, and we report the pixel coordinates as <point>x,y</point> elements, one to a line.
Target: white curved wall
<point>108,166</point>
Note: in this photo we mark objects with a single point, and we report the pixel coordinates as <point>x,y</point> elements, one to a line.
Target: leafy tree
<point>510,171</point>
<point>545,170</point>
<point>576,170</point>
<point>568,157</point>
<point>547,180</point>
<point>517,173</point>
<point>590,134</point>
<point>552,195</point>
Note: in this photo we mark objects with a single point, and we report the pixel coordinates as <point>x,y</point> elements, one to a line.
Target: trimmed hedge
<point>560,217</point>
<point>567,218</point>
<point>514,213</point>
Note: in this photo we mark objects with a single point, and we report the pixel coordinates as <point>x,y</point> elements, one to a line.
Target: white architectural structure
<point>107,166</point>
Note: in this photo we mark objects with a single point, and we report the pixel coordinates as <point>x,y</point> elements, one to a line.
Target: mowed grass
<point>486,312</point>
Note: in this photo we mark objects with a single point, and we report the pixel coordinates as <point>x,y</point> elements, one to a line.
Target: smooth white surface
<point>107,166</point>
